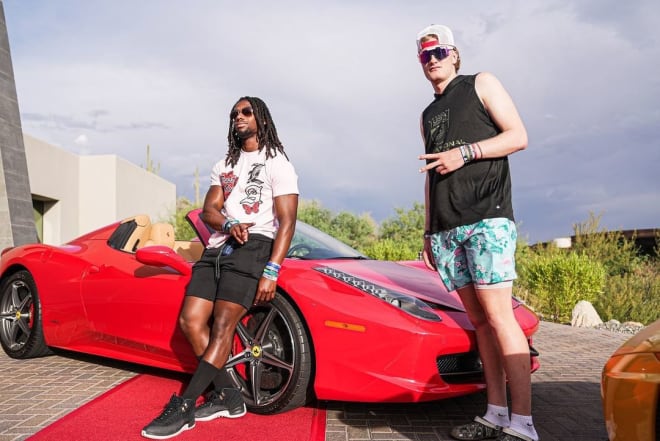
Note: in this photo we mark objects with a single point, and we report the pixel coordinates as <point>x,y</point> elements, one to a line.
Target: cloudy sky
<point>342,81</point>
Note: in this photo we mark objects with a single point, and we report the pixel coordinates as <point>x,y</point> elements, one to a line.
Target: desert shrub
<point>555,280</point>
<point>619,255</point>
<point>632,296</point>
<point>632,287</point>
<point>629,290</point>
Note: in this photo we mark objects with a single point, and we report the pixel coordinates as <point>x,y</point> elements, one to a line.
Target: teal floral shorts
<point>482,253</point>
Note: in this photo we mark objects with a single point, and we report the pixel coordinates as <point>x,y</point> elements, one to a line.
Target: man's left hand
<point>265,290</point>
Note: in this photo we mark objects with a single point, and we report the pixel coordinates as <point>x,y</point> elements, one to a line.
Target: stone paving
<point>37,392</point>
<point>566,402</point>
<point>566,394</point>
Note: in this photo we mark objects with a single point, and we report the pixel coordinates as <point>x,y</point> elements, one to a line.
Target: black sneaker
<point>179,415</point>
<point>478,429</point>
<point>229,405</point>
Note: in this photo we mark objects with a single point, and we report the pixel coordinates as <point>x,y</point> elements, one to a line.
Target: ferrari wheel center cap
<point>18,315</point>
<point>256,351</point>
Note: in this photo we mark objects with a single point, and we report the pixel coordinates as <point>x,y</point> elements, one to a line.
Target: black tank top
<point>478,190</point>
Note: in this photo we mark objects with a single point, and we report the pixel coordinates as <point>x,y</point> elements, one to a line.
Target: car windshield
<point>308,243</point>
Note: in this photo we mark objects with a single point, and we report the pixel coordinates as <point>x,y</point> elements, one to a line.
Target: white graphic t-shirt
<point>249,189</point>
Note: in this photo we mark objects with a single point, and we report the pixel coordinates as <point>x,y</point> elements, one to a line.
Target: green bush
<point>354,231</point>
<point>633,296</point>
<point>406,228</point>
<point>556,281</point>
<point>619,255</point>
<point>182,229</point>
<point>629,291</point>
<point>387,249</point>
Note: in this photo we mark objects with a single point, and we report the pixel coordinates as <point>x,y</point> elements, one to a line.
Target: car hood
<point>421,283</point>
<point>646,340</point>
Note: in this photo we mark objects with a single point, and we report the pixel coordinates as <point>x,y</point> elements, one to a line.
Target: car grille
<point>460,368</point>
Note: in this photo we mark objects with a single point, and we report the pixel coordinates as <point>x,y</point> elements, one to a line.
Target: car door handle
<point>94,269</point>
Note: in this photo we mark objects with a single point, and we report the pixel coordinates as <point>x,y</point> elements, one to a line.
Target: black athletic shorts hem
<point>233,277</point>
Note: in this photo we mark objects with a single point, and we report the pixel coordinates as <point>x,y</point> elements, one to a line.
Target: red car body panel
<point>99,300</point>
<point>403,349</point>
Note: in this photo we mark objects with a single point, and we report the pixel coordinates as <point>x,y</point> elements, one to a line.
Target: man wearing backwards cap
<point>469,130</point>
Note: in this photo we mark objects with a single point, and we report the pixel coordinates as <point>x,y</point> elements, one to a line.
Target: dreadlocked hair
<point>266,133</point>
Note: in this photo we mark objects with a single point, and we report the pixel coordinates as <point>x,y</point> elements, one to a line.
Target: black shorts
<point>233,277</point>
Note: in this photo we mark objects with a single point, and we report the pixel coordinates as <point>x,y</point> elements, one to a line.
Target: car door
<point>133,307</point>
<point>203,230</point>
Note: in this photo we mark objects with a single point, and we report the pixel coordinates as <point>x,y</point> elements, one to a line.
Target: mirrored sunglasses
<point>440,53</point>
<point>246,111</point>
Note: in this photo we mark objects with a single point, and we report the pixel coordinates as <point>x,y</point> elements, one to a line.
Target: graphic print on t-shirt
<point>252,198</point>
<point>228,182</point>
<point>439,125</point>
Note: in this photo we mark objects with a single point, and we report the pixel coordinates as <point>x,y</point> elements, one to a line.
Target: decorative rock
<point>622,328</point>
<point>585,315</point>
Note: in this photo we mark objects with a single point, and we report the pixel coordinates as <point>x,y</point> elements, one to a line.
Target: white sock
<point>523,425</point>
<point>497,415</point>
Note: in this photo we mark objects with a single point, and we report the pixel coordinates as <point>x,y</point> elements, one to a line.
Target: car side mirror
<point>162,256</point>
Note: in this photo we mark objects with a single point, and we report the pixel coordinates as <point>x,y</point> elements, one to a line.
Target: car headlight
<point>406,303</point>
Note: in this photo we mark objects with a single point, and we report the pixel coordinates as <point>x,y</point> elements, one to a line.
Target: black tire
<point>21,334</point>
<point>271,361</point>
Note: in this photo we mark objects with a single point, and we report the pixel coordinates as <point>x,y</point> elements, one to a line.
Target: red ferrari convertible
<point>341,327</point>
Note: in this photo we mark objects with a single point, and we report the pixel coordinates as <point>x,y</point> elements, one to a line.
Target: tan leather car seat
<point>161,234</point>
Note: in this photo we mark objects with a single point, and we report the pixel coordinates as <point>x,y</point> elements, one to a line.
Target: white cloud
<point>81,140</point>
<point>343,84</point>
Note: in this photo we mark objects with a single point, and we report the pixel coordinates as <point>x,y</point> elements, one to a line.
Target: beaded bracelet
<point>273,265</point>
<point>228,224</point>
<point>270,274</point>
<point>271,271</point>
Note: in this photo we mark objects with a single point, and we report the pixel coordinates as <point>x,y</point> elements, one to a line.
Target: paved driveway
<point>566,394</point>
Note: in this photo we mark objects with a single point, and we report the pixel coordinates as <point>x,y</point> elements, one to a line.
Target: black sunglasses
<point>246,111</point>
<point>440,53</point>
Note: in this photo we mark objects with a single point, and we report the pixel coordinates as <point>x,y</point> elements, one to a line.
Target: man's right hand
<point>427,255</point>
<point>240,231</point>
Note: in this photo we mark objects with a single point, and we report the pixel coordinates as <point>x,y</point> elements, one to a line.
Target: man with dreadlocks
<point>252,205</point>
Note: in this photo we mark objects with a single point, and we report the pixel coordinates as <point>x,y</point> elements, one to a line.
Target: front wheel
<point>21,334</point>
<point>271,361</point>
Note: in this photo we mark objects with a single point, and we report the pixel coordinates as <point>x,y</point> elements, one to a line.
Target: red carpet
<point>121,413</point>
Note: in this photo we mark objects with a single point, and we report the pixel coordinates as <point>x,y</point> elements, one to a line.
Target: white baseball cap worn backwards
<point>443,34</point>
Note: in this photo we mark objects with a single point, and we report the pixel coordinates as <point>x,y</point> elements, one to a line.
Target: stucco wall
<point>139,191</point>
<point>83,193</point>
<point>53,174</point>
